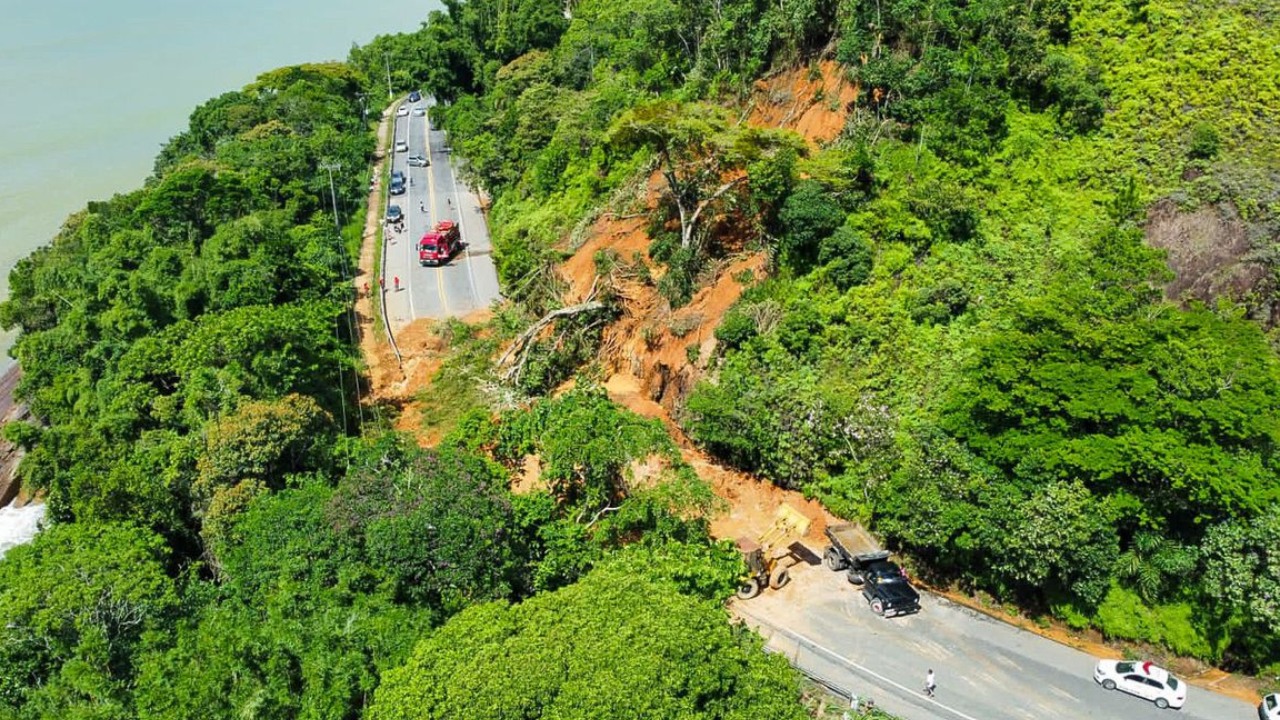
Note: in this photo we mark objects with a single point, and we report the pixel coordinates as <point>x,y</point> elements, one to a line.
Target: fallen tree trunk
<point>518,353</point>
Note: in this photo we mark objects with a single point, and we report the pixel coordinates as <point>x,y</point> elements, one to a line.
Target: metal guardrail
<point>799,640</point>
<point>935,708</point>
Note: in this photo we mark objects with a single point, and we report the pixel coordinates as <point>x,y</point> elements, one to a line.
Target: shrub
<point>1124,615</point>
<point>1205,142</point>
<point>808,216</point>
<point>693,352</point>
<point>677,285</point>
<point>736,329</point>
<point>847,257</point>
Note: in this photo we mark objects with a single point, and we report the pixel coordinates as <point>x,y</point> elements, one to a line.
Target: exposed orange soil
<point>751,502</point>
<point>648,365</point>
<point>380,360</point>
<point>529,479</point>
<point>815,107</point>
<point>646,352</point>
<point>646,357</point>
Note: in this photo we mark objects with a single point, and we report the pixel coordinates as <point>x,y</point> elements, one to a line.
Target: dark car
<point>415,96</point>
<point>397,183</point>
<point>394,214</point>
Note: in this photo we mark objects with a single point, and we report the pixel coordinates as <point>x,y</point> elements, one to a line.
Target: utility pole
<point>386,56</point>
<point>333,196</point>
<point>364,108</point>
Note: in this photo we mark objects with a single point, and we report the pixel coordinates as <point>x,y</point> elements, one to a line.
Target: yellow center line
<point>431,197</point>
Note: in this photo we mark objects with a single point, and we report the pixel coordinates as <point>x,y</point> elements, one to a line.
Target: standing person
<point>422,205</point>
<point>397,280</point>
<point>929,683</point>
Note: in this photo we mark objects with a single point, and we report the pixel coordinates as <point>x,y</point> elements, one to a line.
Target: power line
<point>347,282</point>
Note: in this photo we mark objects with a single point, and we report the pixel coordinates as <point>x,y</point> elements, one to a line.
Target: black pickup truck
<point>884,584</point>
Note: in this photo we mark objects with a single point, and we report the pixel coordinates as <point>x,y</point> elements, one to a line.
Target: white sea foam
<point>19,525</point>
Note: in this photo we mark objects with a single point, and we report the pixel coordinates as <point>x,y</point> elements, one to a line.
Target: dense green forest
<point>989,331</point>
<point>235,532</point>
<point>979,335</point>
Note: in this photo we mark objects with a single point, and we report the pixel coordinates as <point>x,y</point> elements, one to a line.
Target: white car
<point>1144,679</point>
<point>402,146</point>
<point>1269,708</point>
<point>403,111</point>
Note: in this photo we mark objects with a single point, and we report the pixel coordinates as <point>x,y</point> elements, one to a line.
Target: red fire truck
<point>440,244</point>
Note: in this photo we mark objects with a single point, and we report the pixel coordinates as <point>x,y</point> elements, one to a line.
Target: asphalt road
<point>469,282</point>
<point>986,670</point>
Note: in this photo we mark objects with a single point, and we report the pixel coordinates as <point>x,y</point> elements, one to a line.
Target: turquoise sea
<point>90,90</point>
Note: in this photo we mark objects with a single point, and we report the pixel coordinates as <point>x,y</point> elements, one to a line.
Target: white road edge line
<point>837,656</point>
<point>471,278</point>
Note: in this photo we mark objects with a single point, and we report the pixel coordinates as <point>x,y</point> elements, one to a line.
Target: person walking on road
<point>422,205</point>
<point>397,281</point>
<point>929,684</point>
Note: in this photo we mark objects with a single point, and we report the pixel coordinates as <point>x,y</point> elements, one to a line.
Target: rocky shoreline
<point>10,454</point>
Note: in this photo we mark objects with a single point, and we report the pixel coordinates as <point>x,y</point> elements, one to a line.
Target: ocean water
<point>89,91</point>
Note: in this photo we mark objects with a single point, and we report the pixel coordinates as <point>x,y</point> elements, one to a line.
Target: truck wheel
<point>749,589</point>
<point>1109,684</point>
<point>1162,703</point>
<point>877,607</point>
<point>856,578</point>
<point>831,558</point>
<point>780,577</point>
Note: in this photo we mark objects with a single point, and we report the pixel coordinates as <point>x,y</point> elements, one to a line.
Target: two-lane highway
<point>469,281</point>
<point>986,670</point>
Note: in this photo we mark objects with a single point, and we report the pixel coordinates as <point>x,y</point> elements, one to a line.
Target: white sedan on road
<point>1269,708</point>
<point>1144,679</point>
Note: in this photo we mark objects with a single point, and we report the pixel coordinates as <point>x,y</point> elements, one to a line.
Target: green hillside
<point>1019,320</point>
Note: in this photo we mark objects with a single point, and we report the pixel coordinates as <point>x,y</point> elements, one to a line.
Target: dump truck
<point>884,585</point>
<point>440,243</point>
<point>769,557</point>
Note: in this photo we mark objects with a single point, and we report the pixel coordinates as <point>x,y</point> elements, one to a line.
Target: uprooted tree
<point>702,153</point>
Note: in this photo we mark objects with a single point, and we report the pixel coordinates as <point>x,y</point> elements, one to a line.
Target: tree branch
<point>519,350</point>
<point>693,221</point>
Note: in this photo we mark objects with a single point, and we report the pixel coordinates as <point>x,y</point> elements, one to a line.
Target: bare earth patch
<point>814,103</point>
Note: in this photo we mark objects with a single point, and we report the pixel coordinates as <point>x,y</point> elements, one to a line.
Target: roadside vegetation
<point>987,331</point>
